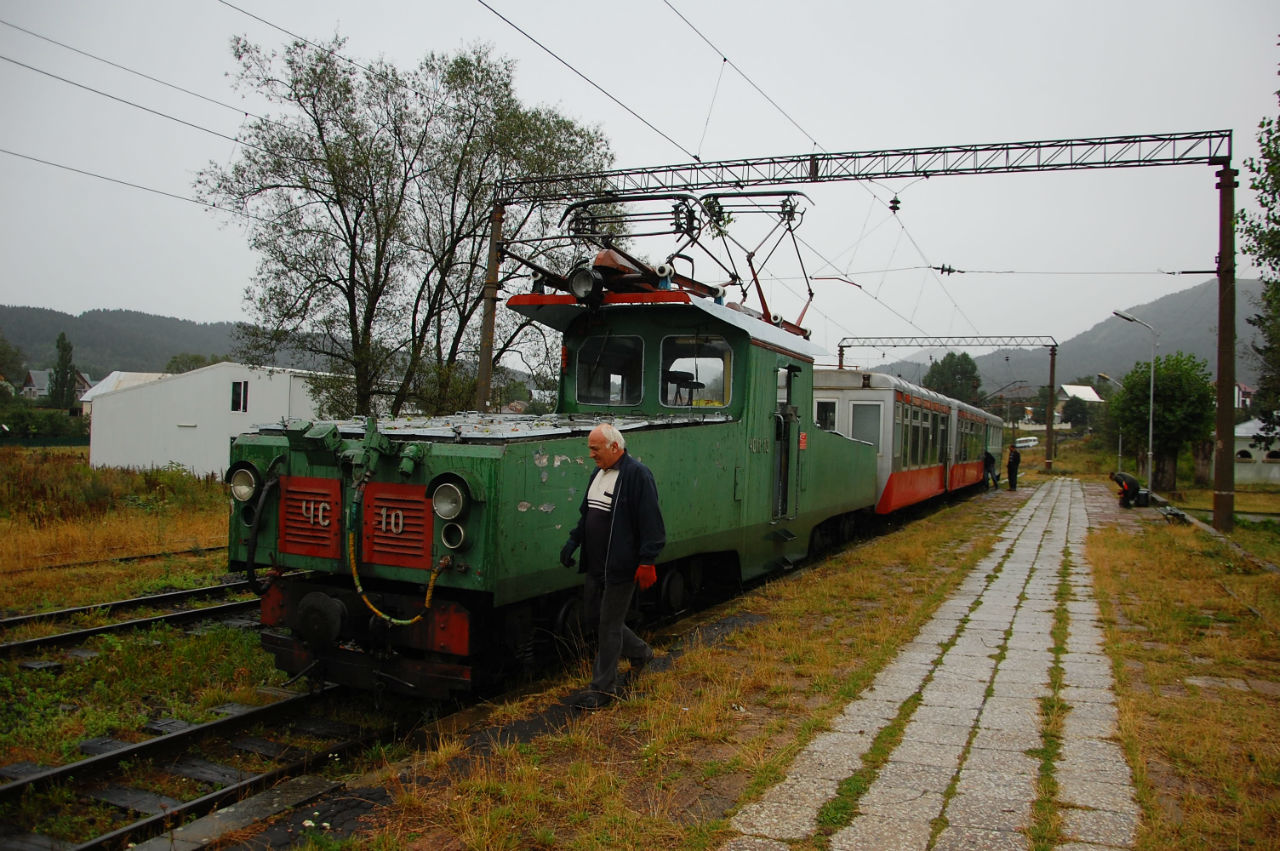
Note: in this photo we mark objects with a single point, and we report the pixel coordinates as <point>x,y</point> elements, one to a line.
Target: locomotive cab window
<point>610,370</point>
<point>696,372</point>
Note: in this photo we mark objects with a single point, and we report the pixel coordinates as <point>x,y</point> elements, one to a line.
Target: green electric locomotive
<point>420,555</point>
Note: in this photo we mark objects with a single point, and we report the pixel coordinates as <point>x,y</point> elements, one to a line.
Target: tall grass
<point>40,486</point>
<point>55,508</point>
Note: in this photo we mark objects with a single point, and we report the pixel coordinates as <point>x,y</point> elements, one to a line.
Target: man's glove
<point>566,554</point>
<point>646,575</point>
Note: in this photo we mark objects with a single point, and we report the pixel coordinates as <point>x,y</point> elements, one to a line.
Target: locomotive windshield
<point>694,371</point>
<point>610,369</point>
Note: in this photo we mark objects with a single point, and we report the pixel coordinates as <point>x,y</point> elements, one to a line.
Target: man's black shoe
<point>638,664</point>
<point>592,700</point>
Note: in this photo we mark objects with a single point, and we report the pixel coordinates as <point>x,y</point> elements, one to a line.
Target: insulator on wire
<point>894,205</point>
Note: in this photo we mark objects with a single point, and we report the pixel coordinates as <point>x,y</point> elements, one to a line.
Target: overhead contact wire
<point>587,79</point>
<point>741,73</point>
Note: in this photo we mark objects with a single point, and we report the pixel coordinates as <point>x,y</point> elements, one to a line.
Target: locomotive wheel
<point>569,627</point>
<point>693,578</point>
<point>671,592</point>
<point>320,620</point>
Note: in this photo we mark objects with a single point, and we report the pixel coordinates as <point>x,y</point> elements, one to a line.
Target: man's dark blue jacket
<point>636,531</point>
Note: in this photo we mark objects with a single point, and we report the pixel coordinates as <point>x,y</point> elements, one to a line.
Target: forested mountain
<point>1186,321</point>
<point>106,340</point>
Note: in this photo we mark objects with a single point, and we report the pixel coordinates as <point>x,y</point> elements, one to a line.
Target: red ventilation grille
<point>310,516</point>
<point>397,526</point>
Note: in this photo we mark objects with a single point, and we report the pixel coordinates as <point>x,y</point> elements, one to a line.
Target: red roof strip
<point>664,297</point>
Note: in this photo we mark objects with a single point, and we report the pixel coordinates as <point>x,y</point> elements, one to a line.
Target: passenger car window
<point>825,414</point>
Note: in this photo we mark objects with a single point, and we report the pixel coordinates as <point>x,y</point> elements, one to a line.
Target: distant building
<point>1083,392</point>
<point>189,419</point>
<point>116,381</point>
<point>37,382</point>
<point>1255,465</point>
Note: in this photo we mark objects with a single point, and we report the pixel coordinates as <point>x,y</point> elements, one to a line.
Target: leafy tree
<point>62,381</point>
<point>955,375</point>
<point>188,361</point>
<point>370,199</point>
<point>1184,411</point>
<point>1261,241</point>
<point>1041,404</point>
<point>12,362</point>
<point>1076,412</point>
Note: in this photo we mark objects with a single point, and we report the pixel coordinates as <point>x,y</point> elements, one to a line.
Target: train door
<point>944,446</point>
<point>786,445</point>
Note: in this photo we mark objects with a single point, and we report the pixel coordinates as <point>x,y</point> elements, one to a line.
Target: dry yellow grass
<point>657,770</point>
<point>120,533</point>
<point>66,564</point>
<point>1195,637</point>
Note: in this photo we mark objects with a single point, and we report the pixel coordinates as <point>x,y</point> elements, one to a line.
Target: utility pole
<point>489,310</point>
<point>1052,413</point>
<point>1224,471</point>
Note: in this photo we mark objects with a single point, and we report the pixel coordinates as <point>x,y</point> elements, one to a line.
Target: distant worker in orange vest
<point>1128,488</point>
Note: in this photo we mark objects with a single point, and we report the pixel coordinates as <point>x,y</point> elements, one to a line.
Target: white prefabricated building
<point>190,418</point>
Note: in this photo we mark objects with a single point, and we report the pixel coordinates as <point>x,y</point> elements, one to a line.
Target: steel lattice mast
<point>1205,147</point>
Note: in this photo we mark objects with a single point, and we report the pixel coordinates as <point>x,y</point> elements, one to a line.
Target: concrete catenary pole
<point>489,310</point>
<point>1224,471</point>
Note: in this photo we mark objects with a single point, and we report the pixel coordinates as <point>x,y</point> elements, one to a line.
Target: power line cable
<point>133,71</point>
<point>743,74</point>
<point>546,49</point>
<point>590,81</point>
<point>127,102</point>
<point>711,107</point>
<point>938,280</point>
<point>807,134</point>
<point>131,185</point>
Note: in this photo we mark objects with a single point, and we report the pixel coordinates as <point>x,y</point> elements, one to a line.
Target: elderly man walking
<point>621,533</point>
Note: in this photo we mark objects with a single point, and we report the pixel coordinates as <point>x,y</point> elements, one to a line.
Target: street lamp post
<point>1151,403</point>
<point>1119,431</point>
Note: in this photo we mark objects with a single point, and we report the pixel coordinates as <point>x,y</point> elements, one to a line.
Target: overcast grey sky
<point>1048,254</point>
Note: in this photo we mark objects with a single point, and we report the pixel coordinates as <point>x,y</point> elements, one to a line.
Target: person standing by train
<point>989,477</point>
<point>621,533</point>
<point>1015,459</point>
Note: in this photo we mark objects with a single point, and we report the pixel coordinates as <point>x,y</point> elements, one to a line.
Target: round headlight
<point>448,501</point>
<point>243,482</point>
<point>453,536</point>
<point>583,282</point>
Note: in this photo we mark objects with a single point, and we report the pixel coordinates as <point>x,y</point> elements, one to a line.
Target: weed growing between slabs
<point>695,742</point>
<point>1195,635</point>
<point>1045,829</point>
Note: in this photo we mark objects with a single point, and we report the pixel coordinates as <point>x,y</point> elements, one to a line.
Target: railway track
<point>177,751</point>
<point>121,559</point>
<point>184,615</point>
<point>180,750</point>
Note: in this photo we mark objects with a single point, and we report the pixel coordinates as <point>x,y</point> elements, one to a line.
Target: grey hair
<point>611,434</point>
